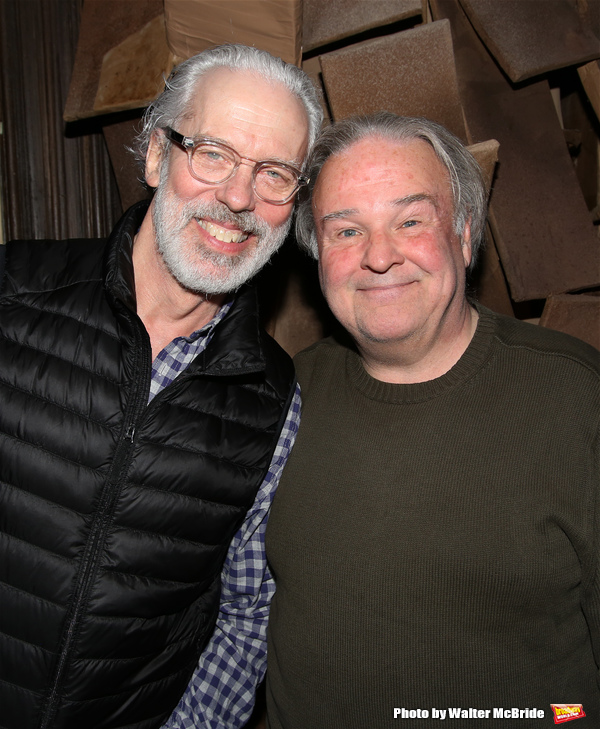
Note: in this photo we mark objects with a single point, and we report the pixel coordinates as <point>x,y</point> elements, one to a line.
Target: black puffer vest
<point>116,515</point>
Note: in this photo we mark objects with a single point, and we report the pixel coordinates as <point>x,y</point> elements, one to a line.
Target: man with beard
<point>145,419</point>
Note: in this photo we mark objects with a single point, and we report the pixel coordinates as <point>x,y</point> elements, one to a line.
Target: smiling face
<point>214,237</point>
<point>391,266</point>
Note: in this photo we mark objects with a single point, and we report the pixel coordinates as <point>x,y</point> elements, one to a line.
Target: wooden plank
<point>580,128</point>
<point>529,37</point>
<point>589,12</point>
<point>133,72</point>
<point>119,136</point>
<point>293,309</point>
<point>577,315</point>
<point>489,283</point>
<point>486,154</point>
<point>590,79</point>
<point>273,25</point>
<point>312,68</point>
<point>327,22</point>
<point>410,73</point>
<point>104,25</point>
<point>539,218</point>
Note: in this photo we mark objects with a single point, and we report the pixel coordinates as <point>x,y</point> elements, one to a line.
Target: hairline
<point>175,103</point>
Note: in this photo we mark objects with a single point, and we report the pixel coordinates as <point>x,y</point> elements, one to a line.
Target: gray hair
<point>466,180</point>
<point>171,105</point>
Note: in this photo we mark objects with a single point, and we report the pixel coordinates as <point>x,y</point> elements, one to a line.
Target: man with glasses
<point>146,417</point>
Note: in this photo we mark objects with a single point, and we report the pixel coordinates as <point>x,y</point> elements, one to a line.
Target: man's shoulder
<point>544,343</point>
<point>325,355</point>
<point>40,265</point>
<point>323,348</point>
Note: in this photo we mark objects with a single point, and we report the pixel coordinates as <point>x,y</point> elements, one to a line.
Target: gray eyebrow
<point>338,214</point>
<point>225,143</point>
<point>400,202</point>
<point>416,197</point>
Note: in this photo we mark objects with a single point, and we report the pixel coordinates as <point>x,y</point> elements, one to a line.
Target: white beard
<point>191,263</point>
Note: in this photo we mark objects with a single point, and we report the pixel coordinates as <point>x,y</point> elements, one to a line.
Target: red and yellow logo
<point>567,712</point>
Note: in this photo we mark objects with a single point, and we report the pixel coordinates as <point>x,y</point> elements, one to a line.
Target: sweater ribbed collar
<point>467,366</point>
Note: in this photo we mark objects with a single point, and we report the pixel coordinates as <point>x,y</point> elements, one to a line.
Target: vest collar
<point>236,345</point>
<point>119,279</point>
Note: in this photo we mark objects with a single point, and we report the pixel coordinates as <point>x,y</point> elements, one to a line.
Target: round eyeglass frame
<point>189,145</point>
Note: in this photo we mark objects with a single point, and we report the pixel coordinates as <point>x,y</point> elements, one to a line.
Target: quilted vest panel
<point>116,515</point>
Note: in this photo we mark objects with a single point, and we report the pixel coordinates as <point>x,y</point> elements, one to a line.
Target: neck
<point>420,358</point>
<point>166,308</point>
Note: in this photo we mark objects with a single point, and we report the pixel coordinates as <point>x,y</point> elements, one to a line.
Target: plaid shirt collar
<point>178,354</point>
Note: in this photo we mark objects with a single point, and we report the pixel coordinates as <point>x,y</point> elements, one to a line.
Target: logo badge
<point>567,712</point>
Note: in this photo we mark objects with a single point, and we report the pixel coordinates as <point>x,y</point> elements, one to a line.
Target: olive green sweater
<point>435,546</point>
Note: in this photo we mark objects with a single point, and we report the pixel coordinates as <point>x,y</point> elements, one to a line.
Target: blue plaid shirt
<point>221,692</point>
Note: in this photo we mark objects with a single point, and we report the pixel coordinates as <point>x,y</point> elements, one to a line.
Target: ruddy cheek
<point>335,267</point>
<point>274,215</point>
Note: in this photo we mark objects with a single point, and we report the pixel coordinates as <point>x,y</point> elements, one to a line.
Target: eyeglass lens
<point>214,164</point>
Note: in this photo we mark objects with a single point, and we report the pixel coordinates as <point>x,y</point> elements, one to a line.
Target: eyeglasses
<point>214,163</point>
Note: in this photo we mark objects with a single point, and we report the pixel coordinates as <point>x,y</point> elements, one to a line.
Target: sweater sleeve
<point>591,605</point>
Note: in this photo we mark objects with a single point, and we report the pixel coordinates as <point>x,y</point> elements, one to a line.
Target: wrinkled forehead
<point>395,167</point>
<point>379,149</point>
<point>243,107</point>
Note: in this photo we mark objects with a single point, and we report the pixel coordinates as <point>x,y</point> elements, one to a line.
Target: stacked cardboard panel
<point>385,72</point>
<point>528,39</point>
<point>488,70</point>
<point>540,222</point>
<point>502,58</point>
<point>329,22</point>
<point>122,56</point>
<point>576,315</point>
<point>195,25</point>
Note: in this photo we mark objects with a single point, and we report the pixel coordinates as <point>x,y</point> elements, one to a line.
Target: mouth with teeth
<point>222,234</point>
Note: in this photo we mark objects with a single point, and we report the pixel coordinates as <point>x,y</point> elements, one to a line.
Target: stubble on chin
<point>195,266</point>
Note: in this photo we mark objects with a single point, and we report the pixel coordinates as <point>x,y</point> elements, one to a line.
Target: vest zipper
<point>95,543</point>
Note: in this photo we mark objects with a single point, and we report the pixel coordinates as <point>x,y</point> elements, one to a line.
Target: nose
<point>381,253</point>
<point>238,192</point>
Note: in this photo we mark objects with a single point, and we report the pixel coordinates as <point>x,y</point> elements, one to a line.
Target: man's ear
<point>465,243</point>
<point>154,159</point>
